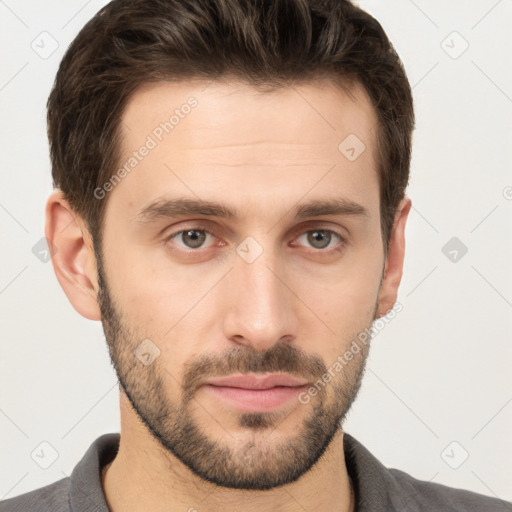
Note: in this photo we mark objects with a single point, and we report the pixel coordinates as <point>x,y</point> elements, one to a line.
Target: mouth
<point>255,393</point>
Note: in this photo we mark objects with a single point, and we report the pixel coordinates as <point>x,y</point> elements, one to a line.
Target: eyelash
<point>339,247</point>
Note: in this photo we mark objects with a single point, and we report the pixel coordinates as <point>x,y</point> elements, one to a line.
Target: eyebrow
<point>179,207</point>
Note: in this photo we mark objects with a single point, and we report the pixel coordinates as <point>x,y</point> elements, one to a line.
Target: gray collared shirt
<point>377,488</point>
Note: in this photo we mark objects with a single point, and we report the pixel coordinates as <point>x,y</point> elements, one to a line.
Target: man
<point>230,202</point>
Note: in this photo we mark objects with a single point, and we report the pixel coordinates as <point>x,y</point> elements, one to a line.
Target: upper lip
<point>258,381</point>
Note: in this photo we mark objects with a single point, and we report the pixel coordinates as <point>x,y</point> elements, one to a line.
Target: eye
<point>322,238</point>
<point>191,238</point>
<point>196,238</point>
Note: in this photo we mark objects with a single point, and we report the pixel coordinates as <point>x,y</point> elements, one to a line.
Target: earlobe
<point>395,260</point>
<point>73,257</point>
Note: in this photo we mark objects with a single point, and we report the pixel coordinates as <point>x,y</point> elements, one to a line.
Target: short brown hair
<point>131,42</point>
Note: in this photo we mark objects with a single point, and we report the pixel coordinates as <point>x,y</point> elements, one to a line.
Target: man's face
<point>273,289</point>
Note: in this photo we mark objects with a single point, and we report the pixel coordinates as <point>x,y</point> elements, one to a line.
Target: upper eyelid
<point>309,225</point>
<point>192,228</point>
<point>339,235</point>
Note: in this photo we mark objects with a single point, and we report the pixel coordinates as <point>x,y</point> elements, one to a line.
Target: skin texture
<point>210,312</point>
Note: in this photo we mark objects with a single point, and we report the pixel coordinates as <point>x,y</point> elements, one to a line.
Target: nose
<point>261,309</point>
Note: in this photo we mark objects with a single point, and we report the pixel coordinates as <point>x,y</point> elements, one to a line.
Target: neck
<point>145,476</point>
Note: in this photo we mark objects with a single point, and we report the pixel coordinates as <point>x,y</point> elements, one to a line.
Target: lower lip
<point>256,400</point>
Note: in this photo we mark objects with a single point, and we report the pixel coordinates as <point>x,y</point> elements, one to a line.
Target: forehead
<point>227,140</point>
<point>309,113</point>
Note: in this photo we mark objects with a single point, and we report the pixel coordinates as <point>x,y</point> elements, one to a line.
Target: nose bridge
<point>261,307</point>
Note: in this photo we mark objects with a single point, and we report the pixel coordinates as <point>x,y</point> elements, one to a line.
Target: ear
<point>395,260</point>
<point>73,258</point>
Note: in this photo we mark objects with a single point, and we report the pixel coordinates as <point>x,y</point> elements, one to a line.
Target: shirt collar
<point>374,485</point>
<point>86,492</point>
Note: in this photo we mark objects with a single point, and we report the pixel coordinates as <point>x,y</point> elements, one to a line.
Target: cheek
<point>154,293</point>
<point>345,304</point>
<point>167,305</point>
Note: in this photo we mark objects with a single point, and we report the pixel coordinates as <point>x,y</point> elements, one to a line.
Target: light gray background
<point>438,373</point>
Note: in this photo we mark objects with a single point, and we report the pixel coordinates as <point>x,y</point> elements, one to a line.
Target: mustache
<point>280,358</point>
